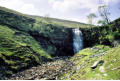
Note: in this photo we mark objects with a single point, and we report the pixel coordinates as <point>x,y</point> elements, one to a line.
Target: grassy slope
<point>60,22</point>
<point>19,50</point>
<point>48,20</point>
<point>83,61</point>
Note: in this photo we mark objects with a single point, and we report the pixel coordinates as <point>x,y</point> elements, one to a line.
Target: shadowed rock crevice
<point>57,43</point>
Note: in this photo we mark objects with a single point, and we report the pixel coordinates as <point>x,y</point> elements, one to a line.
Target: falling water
<point>77,40</point>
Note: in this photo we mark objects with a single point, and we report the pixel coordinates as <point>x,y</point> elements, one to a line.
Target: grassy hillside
<point>19,50</point>
<point>108,67</point>
<point>55,39</point>
<point>48,20</point>
<point>60,22</point>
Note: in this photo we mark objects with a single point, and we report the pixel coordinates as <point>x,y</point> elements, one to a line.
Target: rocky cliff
<point>106,35</point>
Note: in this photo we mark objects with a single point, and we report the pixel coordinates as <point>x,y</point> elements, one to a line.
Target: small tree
<point>104,13</point>
<point>90,17</point>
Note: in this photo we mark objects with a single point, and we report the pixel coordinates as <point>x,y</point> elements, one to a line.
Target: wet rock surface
<point>46,71</point>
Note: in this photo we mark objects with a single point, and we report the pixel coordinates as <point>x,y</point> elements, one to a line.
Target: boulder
<point>96,64</point>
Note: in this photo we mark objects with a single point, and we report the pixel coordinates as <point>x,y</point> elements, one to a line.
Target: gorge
<point>50,48</point>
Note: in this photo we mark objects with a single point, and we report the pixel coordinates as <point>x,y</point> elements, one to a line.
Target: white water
<point>77,40</point>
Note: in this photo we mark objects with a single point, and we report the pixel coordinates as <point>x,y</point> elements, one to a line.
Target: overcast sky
<point>75,10</point>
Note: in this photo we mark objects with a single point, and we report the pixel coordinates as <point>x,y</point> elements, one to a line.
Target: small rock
<point>116,68</point>
<point>105,74</point>
<point>102,69</point>
<point>95,65</point>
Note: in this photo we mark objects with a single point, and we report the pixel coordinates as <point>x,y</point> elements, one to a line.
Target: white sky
<point>76,10</point>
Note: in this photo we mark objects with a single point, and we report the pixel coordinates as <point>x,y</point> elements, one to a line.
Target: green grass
<point>111,61</point>
<point>60,22</point>
<point>48,20</point>
<point>18,51</point>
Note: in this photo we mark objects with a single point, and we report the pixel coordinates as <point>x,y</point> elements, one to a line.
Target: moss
<point>112,62</point>
<point>82,65</point>
<point>8,72</point>
<point>83,53</point>
<point>15,68</point>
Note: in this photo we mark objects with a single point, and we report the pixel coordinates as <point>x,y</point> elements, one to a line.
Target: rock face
<point>91,36</point>
<point>59,42</point>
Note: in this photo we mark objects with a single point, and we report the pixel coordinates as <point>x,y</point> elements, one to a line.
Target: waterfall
<point>77,40</point>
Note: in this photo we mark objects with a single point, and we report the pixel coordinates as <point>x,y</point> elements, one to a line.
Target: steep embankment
<point>96,63</point>
<point>55,39</point>
<point>18,50</point>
